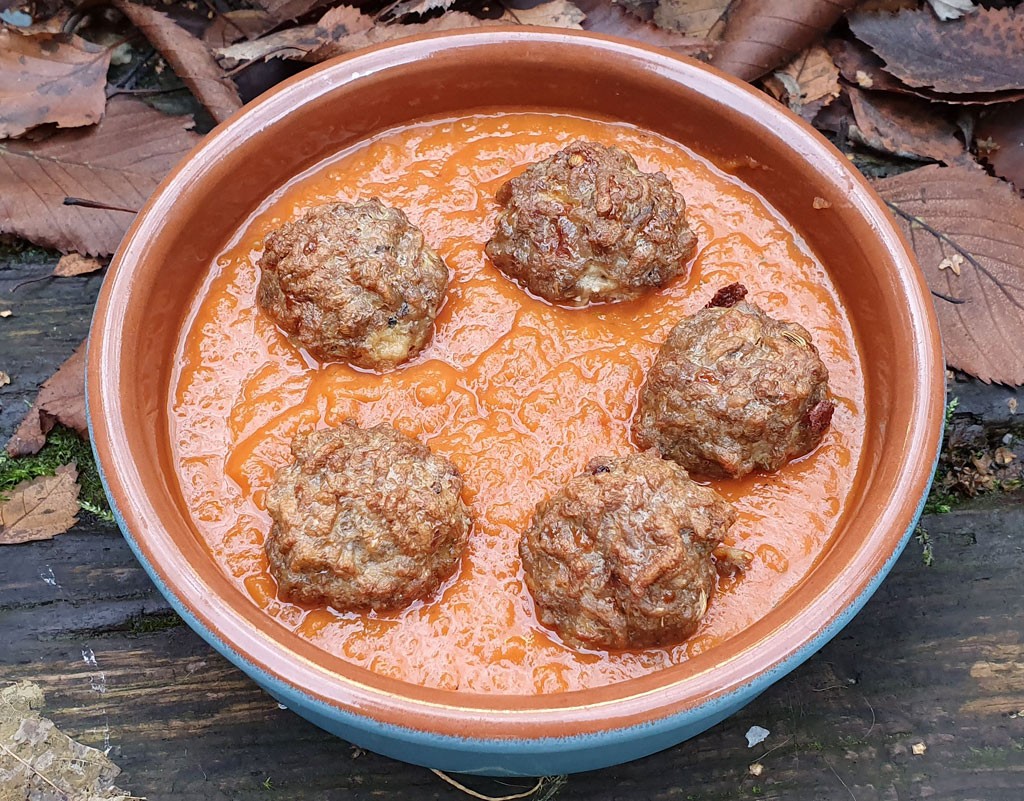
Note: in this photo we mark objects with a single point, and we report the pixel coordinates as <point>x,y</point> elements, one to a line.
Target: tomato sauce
<point>519,393</point>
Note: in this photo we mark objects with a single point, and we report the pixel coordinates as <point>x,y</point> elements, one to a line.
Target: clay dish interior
<point>168,251</point>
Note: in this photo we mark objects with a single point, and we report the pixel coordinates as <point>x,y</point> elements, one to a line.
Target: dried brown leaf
<point>763,34</point>
<point>552,14</point>
<point>40,509</point>
<point>190,59</point>
<point>1000,141</point>
<point>983,52</point>
<point>806,84</point>
<point>50,78</point>
<point>419,7</point>
<point>233,26</point>
<point>61,399</point>
<point>905,126</point>
<point>119,162</point>
<point>701,18</point>
<point>611,18</point>
<point>453,20</point>
<point>861,67</point>
<point>947,211</point>
<point>285,10</point>
<point>76,264</point>
<point>299,41</point>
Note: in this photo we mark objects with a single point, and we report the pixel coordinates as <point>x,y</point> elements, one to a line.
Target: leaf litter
<point>858,80</point>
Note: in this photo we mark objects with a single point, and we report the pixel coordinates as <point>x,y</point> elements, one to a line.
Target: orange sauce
<point>520,394</point>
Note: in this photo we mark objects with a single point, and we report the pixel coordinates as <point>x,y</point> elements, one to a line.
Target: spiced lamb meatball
<point>586,225</point>
<point>364,519</point>
<point>733,390</point>
<point>353,283</point>
<point>621,556</point>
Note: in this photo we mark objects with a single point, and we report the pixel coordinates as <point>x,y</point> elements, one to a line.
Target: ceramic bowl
<point>168,251</point>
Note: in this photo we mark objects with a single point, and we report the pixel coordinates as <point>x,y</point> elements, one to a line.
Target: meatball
<point>364,519</point>
<point>621,556</point>
<point>733,390</point>
<point>353,283</point>
<point>586,225</point>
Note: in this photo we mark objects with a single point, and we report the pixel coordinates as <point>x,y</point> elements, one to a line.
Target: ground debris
<point>39,762</point>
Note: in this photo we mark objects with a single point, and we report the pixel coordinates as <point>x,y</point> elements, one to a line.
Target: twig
<point>32,768</point>
<point>85,203</point>
<point>872,726</point>
<point>114,92</point>
<point>913,220</point>
<point>441,774</point>
<point>834,773</point>
<point>129,80</point>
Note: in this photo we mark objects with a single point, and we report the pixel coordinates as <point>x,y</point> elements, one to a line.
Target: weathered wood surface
<point>936,658</point>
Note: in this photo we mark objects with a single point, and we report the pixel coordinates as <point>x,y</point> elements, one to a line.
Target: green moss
<point>63,446</point>
<point>154,624</point>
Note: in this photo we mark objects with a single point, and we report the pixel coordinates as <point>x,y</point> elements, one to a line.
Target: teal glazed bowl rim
<point>167,251</point>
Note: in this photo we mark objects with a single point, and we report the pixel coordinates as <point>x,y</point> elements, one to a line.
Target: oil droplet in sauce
<point>518,393</point>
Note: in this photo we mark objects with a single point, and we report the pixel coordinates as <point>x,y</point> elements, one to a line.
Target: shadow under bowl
<point>168,251</point>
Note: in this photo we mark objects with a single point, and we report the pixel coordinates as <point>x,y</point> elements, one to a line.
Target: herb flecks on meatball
<point>622,555</point>
<point>364,519</point>
<point>586,225</point>
<point>354,283</point>
<point>734,390</point>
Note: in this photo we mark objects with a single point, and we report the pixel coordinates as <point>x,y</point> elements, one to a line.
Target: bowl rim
<point>752,665</point>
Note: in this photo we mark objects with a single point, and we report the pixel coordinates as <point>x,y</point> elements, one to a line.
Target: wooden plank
<point>49,317</point>
<point>936,657</point>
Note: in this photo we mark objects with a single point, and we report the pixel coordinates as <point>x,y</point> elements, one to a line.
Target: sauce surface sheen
<point>520,394</point>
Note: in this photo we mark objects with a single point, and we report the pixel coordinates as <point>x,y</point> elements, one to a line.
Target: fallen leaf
<point>50,78</point>
<point>760,36</point>
<point>40,509</point>
<point>961,210</point>
<point>611,18</point>
<point>419,7</point>
<point>38,761</point>
<point>299,41</point>
<point>119,162</point>
<point>1003,456</point>
<point>953,263</point>
<point>906,127</point>
<point>701,18</point>
<point>453,20</point>
<point>61,399</point>
<point>980,53</point>
<point>951,9</point>
<point>232,26</point>
<point>552,14</point>
<point>76,264</point>
<point>286,10</point>
<point>1003,131</point>
<point>190,59</point>
<point>918,748</point>
<point>641,9</point>
<point>807,84</point>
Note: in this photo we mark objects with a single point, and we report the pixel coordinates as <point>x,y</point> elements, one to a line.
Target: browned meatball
<point>586,225</point>
<point>621,556</point>
<point>353,283</point>
<point>733,390</point>
<point>364,519</point>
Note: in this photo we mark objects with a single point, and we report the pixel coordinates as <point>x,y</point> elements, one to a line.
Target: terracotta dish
<point>165,260</point>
